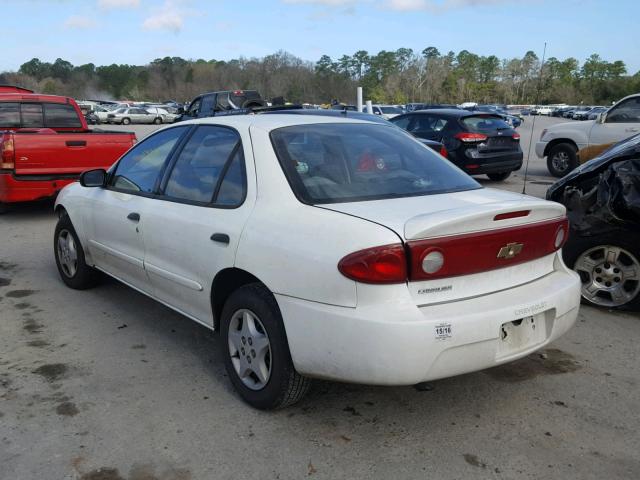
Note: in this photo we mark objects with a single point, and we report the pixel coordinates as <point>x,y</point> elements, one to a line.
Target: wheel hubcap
<point>560,161</point>
<point>67,253</point>
<point>250,349</point>
<point>610,275</point>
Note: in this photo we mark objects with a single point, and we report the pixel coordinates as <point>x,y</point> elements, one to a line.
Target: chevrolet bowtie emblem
<point>510,250</point>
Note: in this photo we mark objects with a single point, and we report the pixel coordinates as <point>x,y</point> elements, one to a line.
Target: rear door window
<point>58,115</point>
<point>9,115</point>
<point>212,153</point>
<point>32,115</point>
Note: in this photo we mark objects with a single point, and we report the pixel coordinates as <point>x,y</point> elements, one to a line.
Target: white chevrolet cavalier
<point>322,247</point>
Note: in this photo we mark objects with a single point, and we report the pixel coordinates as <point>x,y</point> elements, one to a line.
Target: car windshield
<point>483,123</point>
<point>391,110</point>
<point>335,163</point>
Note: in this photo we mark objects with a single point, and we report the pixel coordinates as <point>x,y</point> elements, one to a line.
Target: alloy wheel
<point>561,161</point>
<point>610,275</point>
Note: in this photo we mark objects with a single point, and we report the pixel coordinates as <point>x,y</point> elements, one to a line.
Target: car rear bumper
<point>26,188</point>
<point>399,343</point>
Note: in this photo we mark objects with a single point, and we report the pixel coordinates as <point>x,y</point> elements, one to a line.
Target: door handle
<point>220,238</point>
<point>134,217</point>
<point>76,143</point>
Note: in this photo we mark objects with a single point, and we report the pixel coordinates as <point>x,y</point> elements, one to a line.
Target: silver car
<point>163,113</point>
<point>125,116</point>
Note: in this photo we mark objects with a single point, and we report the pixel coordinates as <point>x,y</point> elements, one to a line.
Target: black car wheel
<point>498,177</point>
<point>256,350</point>
<point>126,121</point>
<point>609,268</point>
<point>157,120</point>
<point>562,159</point>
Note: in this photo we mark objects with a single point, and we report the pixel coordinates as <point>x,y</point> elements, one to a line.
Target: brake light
<point>516,136</point>
<point>505,216</point>
<point>381,265</point>
<point>471,253</point>
<point>469,137</point>
<point>443,152</point>
<point>8,158</point>
<point>238,92</point>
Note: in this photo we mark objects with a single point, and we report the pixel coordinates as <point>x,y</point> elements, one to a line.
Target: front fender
<point>72,199</point>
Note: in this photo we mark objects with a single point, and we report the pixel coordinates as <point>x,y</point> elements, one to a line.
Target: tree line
<point>397,77</point>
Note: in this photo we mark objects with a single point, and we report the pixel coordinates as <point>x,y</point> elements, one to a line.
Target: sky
<point>138,31</point>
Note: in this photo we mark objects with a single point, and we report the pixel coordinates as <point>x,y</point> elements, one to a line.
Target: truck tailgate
<point>68,152</point>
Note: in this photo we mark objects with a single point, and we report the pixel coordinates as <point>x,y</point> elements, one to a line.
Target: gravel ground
<point>107,384</point>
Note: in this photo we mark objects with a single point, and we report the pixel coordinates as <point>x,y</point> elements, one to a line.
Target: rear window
<point>60,115</point>
<point>482,123</point>
<point>333,163</point>
<point>32,115</point>
<point>9,115</point>
<point>391,110</point>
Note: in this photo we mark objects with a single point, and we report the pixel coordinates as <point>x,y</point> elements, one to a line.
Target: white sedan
<point>322,247</point>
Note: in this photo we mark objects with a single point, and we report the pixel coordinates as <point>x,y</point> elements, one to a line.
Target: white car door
<point>193,228</point>
<point>116,225</point>
<point>621,121</point>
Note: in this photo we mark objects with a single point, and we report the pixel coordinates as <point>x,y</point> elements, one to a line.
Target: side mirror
<point>93,178</point>
<point>601,117</point>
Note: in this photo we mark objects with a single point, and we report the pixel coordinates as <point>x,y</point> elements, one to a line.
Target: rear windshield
<point>482,123</point>
<point>334,163</point>
<point>397,110</point>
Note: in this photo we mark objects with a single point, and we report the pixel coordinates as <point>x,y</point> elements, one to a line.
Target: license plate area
<point>521,334</point>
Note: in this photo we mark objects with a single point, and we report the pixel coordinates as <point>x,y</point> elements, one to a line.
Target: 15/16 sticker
<point>443,331</point>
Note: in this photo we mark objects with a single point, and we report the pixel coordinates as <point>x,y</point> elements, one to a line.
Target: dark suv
<point>206,104</point>
<point>477,142</point>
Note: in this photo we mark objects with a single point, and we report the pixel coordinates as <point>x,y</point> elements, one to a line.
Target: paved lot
<point>106,384</point>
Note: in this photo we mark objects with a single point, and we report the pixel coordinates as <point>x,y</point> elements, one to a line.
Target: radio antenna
<point>533,123</point>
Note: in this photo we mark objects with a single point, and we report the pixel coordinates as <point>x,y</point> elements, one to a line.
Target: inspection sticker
<point>443,331</point>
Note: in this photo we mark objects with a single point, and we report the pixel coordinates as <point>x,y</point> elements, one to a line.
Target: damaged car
<point>603,205</point>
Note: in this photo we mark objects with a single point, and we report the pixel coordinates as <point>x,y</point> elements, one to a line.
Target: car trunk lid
<point>491,240</point>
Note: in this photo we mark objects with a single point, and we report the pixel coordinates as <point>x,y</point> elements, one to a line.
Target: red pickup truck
<point>45,144</point>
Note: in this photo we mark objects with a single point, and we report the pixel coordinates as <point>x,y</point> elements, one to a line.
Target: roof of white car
<point>269,122</point>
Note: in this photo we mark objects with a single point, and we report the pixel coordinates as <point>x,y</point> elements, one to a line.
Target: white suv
<point>560,143</point>
<point>322,247</point>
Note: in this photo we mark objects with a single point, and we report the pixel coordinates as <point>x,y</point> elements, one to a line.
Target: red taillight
<point>8,152</point>
<point>472,166</point>
<point>469,137</point>
<point>443,151</point>
<point>516,136</point>
<point>386,264</point>
<point>238,92</point>
<point>470,253</point>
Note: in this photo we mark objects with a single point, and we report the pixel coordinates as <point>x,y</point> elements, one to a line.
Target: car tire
<point>600,278</point>
<point>499,177</point>
<point>125,121</point>
<point>562,159</point>
<point>157,120</point>
<point>70,259</point>
<point>266,379</point>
